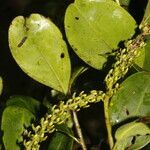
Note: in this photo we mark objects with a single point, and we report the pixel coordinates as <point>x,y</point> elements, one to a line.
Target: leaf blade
<point>62,139</point>
<point>132,98</point>
<point>88,28</point>
<point>13,120</point>
<point>37,46</point>
<point>125,134</point>
<point>16,116</point>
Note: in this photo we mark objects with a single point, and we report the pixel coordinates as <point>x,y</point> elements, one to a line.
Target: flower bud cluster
<point>124,60</point>
<point>59,115</point>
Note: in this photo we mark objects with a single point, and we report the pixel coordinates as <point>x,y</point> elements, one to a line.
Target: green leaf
<point>38,47</point>
<point>1,85</point>
<point>146,18</point>
<point>13,121</point>
<point>131,129</point>
<point>143,60</point>
<point>62,140</point>
<point>140,142</point>
<point>132,99</point>
<point>76,73</point>
<point>125,2</point>
<point>95,27</point>
<point>125,134</point>
<point>16,116</point>
<point>64,128</point>
<point>25,102</point>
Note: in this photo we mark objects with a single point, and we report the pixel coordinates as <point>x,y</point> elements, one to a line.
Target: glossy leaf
<point>143,60</point>
<point>124,135</point>
<point>76,73</point>
<point>15,117</point>
<point>13,121</point>
<point>24,102</point>
<point>95,27</point>
<point>38,47</point>
<point>146,18</point>
<point>62,139</point>
<point>63,128</point>
<point>132,98</point>
<point>1,85</point>
<point>125,2</point>
<point>131,129</point>
<point>140,142</point>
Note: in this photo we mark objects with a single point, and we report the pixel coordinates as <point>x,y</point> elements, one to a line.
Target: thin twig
<point>79,132</point>
<point>108,124</point>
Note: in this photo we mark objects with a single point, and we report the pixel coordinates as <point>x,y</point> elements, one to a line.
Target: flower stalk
<point>79,131</point>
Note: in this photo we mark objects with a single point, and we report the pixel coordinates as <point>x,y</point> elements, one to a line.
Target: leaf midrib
<point>51,68</point>
<point>128,130</point>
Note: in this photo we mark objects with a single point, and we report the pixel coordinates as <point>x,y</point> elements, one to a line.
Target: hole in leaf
<point>75,49</point>
<point>77,18</point>
<point>22,41</point>
<point>133,140</point>
<point>89,62</point>
<point>62,55</point>
<point>127,112</point>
